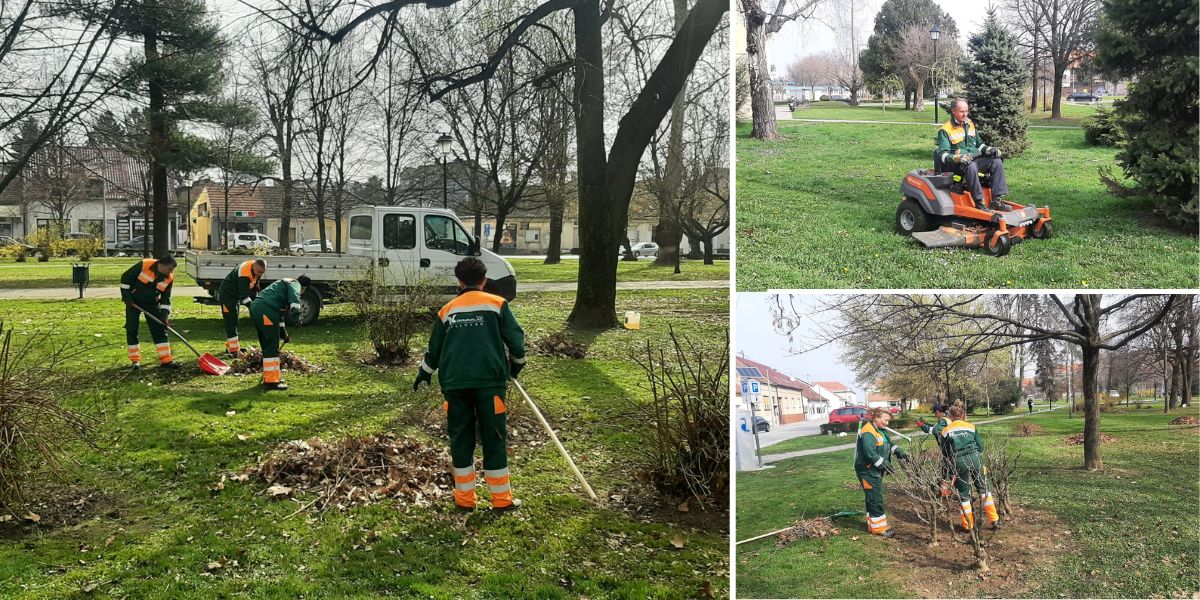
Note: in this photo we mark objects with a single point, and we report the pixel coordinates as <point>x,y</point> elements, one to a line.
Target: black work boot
<point>516,503</point>
<point>281,386</point>
<point>981,206</point>
<point>998,203</point>
<point>135,367</point>
<point>170,366</point>
<point>889,534</point>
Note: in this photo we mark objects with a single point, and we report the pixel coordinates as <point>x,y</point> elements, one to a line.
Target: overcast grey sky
<point>760,343</point>
<point>799,39</point>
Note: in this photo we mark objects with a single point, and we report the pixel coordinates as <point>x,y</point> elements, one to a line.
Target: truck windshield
<point>444,233</point>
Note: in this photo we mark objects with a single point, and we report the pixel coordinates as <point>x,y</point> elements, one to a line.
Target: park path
<point>912,123</point>
<point>771,458</point>
<point>113,292</point>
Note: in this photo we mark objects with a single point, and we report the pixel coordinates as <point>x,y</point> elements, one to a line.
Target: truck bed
<point>210,269</point>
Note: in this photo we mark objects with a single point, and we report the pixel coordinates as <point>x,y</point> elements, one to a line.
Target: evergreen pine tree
<point>994,79</point>
<point>1154,44</point>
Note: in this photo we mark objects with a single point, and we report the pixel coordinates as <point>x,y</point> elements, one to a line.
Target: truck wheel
<point>310,306</point>
<point>910,218</point>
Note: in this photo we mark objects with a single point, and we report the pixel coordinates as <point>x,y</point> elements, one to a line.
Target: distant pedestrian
<point>1030,400</point>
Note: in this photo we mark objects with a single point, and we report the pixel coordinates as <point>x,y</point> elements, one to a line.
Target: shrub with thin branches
<point>685,422</point>
<point>38,430</point>
<point>392,314</point>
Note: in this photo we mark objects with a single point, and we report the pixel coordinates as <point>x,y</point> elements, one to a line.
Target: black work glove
<point>422,377</point>
<point>514,368</point>
<point>902,455</point>
<point>284,335</point>
<point>887,469</point>
<point>994,152</point>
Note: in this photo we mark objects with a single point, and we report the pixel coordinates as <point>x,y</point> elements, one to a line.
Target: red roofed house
<point>877,398</point>
<point>784,398</point>
<point>837,394</point>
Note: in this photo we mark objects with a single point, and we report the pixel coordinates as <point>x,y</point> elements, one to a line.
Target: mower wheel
<point>999,247</point>
<point>910,218</point>
<point>1044,232</point>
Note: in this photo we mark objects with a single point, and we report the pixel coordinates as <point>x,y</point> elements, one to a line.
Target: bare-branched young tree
<point>765,18</point>
<point>1066,30</point>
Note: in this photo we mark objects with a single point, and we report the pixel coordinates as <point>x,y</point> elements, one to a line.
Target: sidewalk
<point>911,123</point>
<point>771,458</point>
<point>113,292</point>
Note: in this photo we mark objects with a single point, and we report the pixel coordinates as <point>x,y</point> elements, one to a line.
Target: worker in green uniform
<point>872,460</point>
<point>943,419</point>
<point>147,285</point>
<point>272,311</point>
<point>959,148</point>
<point>966,451</point>
<point>238,289</point>
<point>468,345</point>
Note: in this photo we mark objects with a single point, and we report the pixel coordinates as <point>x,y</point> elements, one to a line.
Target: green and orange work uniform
<point>468,347</point>
<point>953,138</point>
<point>965,448</point>
<point>274,308</point>
<point>872,460</point>
<point>237,289</point>
<point>142,285</point>
<point>936,431</point>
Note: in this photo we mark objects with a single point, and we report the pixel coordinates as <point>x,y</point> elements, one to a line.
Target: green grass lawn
<point>107,272</point>
<point>1072,114</point>
<point>167,439</point>
<point>104,272</point>
<point>1132,525</point>
<point>818,209</point>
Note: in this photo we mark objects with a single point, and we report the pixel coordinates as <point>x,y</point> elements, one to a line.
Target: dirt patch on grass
<point>1026,429</point>
<point>560,345</point>
<point>251,362</point>
<point>1027,539</point>
<point>1077,439</point>
<point>57,506</point>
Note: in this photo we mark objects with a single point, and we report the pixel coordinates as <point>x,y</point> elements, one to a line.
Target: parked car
<point>250,240</point>
<point>641,249</point>
<point>844,419</point>
<point>30,249</point>
<point>136,243</point>
<point>1082,97</point>
<point>311,246</point>
<point>761,424</point>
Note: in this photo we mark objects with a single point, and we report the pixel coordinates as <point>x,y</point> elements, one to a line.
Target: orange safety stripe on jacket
<point>148,275</point>
<point>471,298</point>
<point>247,270</point>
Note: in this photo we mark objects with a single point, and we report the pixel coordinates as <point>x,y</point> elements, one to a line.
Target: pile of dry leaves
<point>1185,420</point>
<point>1026,429</point>
<point>357,471</point>
<point>251,362</point>
<point>1077,439</point>
<point>820,527</point>
<point>559,345</point>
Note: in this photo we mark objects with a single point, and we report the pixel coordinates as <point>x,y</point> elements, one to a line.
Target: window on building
<point>399,232</point>
<point>92,226</point>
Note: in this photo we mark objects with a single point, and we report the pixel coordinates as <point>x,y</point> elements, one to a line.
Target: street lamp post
<point>443,143</point>
<point>934,34</point>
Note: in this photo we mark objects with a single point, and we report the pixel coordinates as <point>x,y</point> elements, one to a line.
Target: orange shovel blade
<point>212,365</point>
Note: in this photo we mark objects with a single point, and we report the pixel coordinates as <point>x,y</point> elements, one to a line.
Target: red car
<point>844,419</point>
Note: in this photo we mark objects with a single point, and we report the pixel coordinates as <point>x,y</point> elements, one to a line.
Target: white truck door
<point>444,243</point>
<point>398,251</point>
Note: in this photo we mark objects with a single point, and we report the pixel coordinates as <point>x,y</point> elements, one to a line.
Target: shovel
<point>208,363</point>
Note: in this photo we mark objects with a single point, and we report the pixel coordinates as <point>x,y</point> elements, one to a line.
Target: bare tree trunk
<point>762,106</point>
<point>1091,409</point>
<point>1033,77</point>
<point>1056,106</point>
<point>554,247</point>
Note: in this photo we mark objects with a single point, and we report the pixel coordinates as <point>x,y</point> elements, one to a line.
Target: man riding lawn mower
<point>961,201</point>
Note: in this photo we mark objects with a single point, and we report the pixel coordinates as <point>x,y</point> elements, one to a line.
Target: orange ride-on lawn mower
<point>938,211</point>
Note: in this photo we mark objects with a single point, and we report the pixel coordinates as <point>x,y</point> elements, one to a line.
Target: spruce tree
<point>994,79</point>
<point>1154,45</point>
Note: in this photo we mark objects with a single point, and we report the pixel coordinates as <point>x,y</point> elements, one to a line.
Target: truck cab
<point>430,240</point>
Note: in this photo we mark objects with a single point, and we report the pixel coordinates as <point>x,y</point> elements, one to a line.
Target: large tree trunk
<point>907,98</point>
<point>762,106</point>
<point>159,139</point>
<point>596,291</point>
<point>918,94</point>
<point>501,218</point>
<point>669,233</point>
<point>708,249</point>
<point>1091,409</point>
<point>1056,106</point>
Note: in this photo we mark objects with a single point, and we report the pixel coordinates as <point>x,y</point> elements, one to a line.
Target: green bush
<point>1103,129</point>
